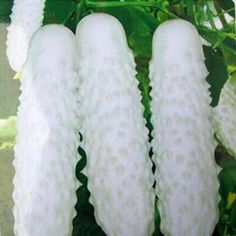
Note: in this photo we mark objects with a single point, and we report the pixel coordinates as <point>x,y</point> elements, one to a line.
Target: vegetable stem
<point>93,4</point>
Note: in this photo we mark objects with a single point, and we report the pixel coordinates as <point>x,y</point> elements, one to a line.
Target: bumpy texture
<point>183,142</point>
<point>115,138</point>
<point>26,18</point>
<point>225,114</point>
<point>46,141</point>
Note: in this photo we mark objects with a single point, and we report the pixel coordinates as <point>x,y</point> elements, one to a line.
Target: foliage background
<point>214,20</point>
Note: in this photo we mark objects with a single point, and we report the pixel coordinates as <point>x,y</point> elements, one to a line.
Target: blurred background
<point>9,92</point>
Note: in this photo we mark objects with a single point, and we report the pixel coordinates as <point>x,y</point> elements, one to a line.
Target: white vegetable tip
<point>115,138</point>
<point>26,18</point>
<point>177,40</point>
<point>46,141</point>
<point>225,114</point>
<point>103,34</point>
<point>183,135</point>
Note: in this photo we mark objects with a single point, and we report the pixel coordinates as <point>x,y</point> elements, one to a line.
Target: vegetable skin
<point>183,135</point>
<point>26,18</point>
<point>225,113</point>
<point>114,134</point>
<point>46,142</point>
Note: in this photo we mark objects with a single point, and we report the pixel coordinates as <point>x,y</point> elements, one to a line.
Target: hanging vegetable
<point>225,114</point>
<point>46,141</point>
<point>114,134</point>
<point>183,136</point>
<point>26,18</point>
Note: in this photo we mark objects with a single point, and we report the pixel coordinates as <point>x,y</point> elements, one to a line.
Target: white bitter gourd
<point>46,141</point>
<point>225,114</point>
<point>114,134</point>
<point>183,141</point>
<point>26,18</point>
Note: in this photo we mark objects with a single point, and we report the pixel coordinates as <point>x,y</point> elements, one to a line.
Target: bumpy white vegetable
<point>26,18</point>
<point>115,138</point>
<point>183,141</point>
<point>46,141</point>
<point>225,114</point>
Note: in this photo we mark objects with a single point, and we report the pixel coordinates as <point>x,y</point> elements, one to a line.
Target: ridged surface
<point>183,142</point>
<point>46,141</point>
<point>225,114</point>
<point>115,138</point>
<point>26,18</point>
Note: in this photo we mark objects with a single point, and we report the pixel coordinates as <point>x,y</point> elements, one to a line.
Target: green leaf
<point>5,10</point>
<point>227,178</point>
<point>189,7</point>
<point>58,12</point>
<point>230,42</point>
<point>84,223</point>
<point>232,218</point>
<point>157,221</point>
<point>218,73</point>
<point>227,162</point>
<point>227,5</point>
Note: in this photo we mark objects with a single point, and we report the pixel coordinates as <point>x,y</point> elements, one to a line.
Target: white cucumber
<point>115,138</point>
<point>26,18</point>
<point>183,136</point>
<point>46,141</point>
<point>225,114</point>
